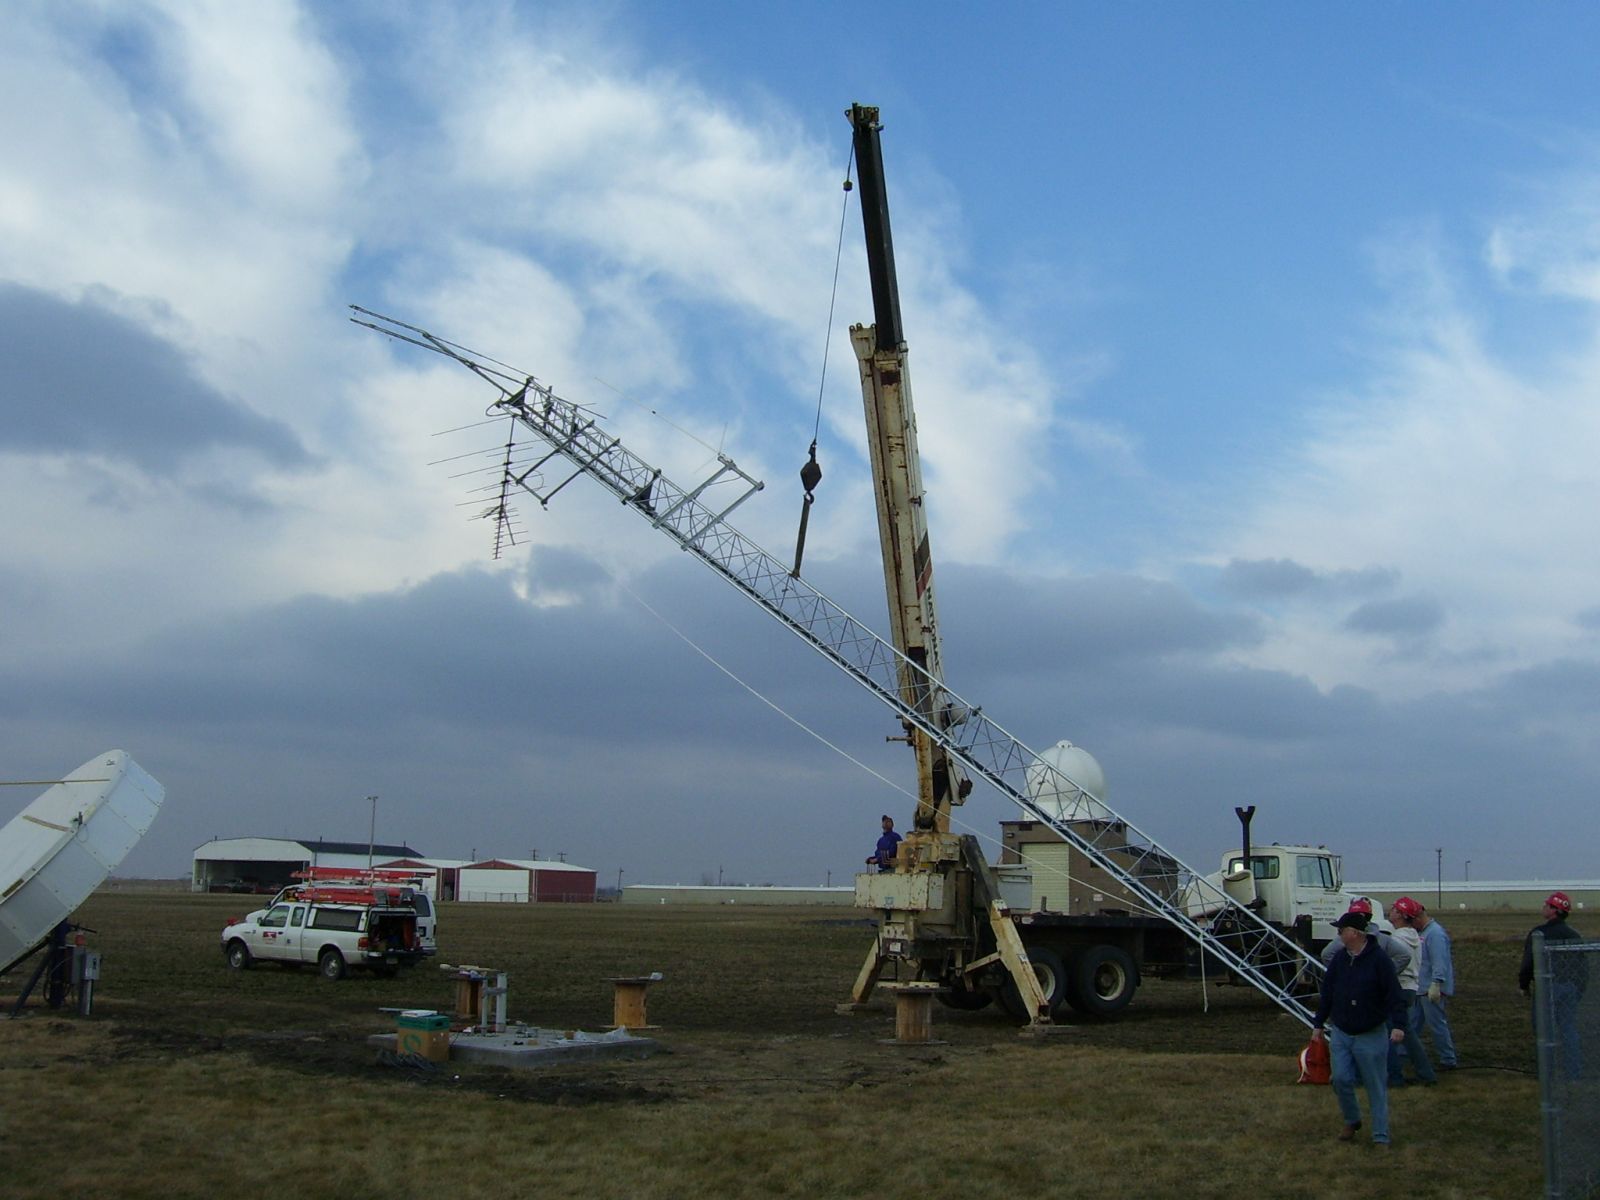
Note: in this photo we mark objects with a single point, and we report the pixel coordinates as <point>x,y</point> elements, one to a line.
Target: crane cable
<point>811,472</point>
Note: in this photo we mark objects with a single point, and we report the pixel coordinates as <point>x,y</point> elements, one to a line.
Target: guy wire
<point>955,821</point>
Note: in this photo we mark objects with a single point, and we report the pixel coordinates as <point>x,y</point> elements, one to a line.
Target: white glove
<point>1435,991</point>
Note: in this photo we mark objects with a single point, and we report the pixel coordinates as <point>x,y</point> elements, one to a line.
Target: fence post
<point>1544,1041</point>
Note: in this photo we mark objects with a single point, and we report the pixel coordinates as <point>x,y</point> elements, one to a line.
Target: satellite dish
<point>55,852</point>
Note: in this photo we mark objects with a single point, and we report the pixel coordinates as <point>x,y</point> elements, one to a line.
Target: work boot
<point>1348,1133</point>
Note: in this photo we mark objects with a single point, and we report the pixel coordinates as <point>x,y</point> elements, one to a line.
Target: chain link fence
<point>1566,1022</point>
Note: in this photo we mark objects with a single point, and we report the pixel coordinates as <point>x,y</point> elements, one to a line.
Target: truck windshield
<point>1262,866</point>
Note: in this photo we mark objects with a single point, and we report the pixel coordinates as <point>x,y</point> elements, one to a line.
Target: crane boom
<point>881,354</point>
<point>1235,936</point>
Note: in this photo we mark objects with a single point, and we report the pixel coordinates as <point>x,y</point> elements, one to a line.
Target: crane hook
<point>810,476</point>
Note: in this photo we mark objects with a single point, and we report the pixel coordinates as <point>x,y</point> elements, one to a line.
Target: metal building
<point>520,881</point>
<point>263,865</point>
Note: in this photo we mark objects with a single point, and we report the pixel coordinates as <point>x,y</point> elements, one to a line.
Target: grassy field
<point>192,1080</point>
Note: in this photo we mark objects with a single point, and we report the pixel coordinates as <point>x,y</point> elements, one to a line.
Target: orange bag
<point>1315,1066</point>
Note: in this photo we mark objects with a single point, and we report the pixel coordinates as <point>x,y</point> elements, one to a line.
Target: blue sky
<point>1253,348</point>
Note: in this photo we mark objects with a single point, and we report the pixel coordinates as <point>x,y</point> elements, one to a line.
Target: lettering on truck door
<point>270,940</point>
<point>1316,891</point>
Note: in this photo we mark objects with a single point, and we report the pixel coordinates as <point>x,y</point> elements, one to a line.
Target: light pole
<point>619,883</point>
<point>372,829</point>
<point>1438,878</point>
<point>1469,870</point>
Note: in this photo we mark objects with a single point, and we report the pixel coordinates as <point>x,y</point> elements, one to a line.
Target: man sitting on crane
<point>888,847</point>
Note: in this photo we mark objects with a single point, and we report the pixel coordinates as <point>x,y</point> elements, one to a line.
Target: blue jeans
<point>1363,1057</point>
<point>1433,1015</point>
<point>1413,1049</point>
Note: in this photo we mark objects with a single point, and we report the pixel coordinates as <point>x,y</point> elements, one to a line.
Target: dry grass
<point>193,1081</point>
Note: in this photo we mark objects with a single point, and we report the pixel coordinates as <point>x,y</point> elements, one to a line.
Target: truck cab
<point>376,930</point>
<point>1291,886</point>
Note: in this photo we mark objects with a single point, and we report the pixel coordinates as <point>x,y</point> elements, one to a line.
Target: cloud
<point>83,378</point>
<point>1282,578</point>
<point>1411,616</point>
<point>1463,471</point>
<point>484,716</point>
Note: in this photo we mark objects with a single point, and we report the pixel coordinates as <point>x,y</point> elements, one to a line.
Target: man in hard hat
<point>1436,981</point>
<point>1569,975</point>
<point>1361,1013</point>
<point>1401,913</point>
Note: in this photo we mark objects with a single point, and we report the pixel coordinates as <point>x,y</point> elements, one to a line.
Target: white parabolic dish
<point>55,852</point>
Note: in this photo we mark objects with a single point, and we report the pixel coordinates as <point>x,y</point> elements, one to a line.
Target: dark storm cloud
<point>1075,624</point>
<point>587,725</point>
<point>82,379</point>
<point>1283,578</point>
<point>1408,617</point>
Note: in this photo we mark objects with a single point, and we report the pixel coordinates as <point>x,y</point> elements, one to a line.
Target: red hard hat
<point>1407,907</point>
<point>1361,905</point>
<point>1560,901</point>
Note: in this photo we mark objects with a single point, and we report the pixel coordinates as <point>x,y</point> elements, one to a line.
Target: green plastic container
<point>423,1019</point>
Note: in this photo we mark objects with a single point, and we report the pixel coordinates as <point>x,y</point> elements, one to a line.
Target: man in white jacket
<point>1421,1065</point>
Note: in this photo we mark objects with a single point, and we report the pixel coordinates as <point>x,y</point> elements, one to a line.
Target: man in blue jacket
<point>1436,982</point>
<point>1363,1004</point>
<point>888,847</point>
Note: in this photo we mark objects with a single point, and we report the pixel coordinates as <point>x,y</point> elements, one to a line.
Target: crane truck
<point>942,911</point>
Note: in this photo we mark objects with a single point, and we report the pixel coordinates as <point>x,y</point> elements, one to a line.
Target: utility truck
<point>337,926</point>
<point>316,880</point>
<point>941,911</point>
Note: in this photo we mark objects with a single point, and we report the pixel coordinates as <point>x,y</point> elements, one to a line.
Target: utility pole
<point>1438,878</point>
<point>1469,871</point>
<point>619,883</point>
<point>372,829</point>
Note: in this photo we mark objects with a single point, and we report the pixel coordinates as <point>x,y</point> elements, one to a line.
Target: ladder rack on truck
<point>333,893</point>
<point>355,875</point>
<point>1237,938</point>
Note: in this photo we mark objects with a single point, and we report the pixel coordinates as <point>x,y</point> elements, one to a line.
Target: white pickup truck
<point>333,927</point>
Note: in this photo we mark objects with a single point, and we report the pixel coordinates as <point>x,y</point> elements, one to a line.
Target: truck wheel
<point>238,955</point>
<point>1051,973</point>
<point>330,964</point>
<point>1104,979</point>
<point>965,999</point>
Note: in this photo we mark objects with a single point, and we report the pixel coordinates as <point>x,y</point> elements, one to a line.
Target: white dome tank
<point>1057,795</point>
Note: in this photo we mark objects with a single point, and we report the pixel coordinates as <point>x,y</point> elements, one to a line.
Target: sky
<point>1254,354</point>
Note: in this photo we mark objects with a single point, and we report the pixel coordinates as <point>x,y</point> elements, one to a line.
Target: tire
<point>330,964</point>
<point>965,1000</point>
<point>238,955</point>
<point>1104,979</point>
<point>1051,973</point>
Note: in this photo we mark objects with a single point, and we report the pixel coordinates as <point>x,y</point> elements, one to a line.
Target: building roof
<point>297,848</point>
<point>524,864</point>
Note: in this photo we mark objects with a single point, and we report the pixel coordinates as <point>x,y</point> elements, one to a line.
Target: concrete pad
<point>527,1046</point>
